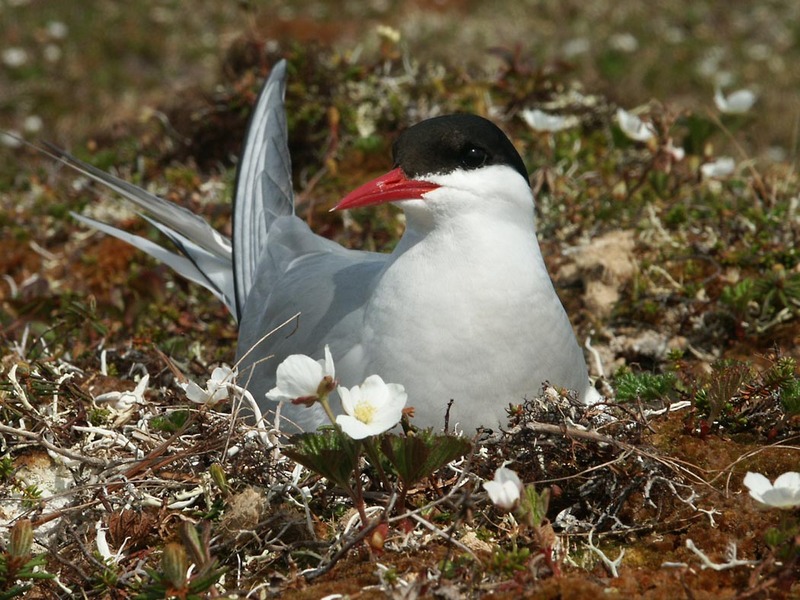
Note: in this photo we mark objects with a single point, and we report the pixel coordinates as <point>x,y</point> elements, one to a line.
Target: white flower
<point>14,57</point>
<point>541,121</point>
<point>32,124</point>
<point>11,139</point>
<point>299,378</point>
<point>371,408</point>
<point>576,46</point>
<point>57,30</point>
<point>677,153</point>
<point>784,493</point>
<point>722,167</point>
<point>504,490</point>
<point>216,388</point>
<point>634,127</point>
<point>122,401</point>
<point>52,53</point>
<point>735,103</point>
<point>388,33</point>
<point>624,42</point>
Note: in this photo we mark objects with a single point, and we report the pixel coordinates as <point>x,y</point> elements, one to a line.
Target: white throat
<point>469,266</point>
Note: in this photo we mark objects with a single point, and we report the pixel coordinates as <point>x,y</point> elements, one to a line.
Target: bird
<point>462,312</point>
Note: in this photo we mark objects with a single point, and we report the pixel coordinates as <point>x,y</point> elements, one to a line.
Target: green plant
<point>173,579</point>
<point>726,381</point>
<point>766,301</point>
<point>171,422</point>
<point>19,569</point>
<point>737,397</point>
<point>31,495</point>
<point>6,468</point>
<point>643,386</point>
<point>782,375</point>
<point>508,562</point>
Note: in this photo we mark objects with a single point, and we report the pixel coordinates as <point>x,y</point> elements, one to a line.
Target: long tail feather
<point>263,182</point>
<point>182,265</point>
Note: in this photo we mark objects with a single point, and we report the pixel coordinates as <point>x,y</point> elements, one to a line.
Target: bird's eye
<point>474,157</point>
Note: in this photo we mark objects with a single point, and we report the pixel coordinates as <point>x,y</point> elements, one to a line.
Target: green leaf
<point>699,131</point>
<point>171,422</point>
<point>328,453</point>
<point>534,505</point>
<point>727,379</point>
<point>643,386</point>
<point>418,456</point>
<point>15,591</point>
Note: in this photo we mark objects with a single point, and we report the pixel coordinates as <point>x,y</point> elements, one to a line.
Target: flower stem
<point>375,459</point>
<point>323,400</point>
<point>358,497</point>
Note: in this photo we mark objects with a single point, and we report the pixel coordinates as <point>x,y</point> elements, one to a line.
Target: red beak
<point>386,188</point>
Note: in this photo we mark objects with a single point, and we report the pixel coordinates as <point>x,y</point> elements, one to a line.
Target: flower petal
<point>539,120</point>
<point>785,493</point>
<point>502,495</point>
<point>349,398</point>
<point>327,364</point>
<point>505,489</point>
<point>736,103</point>
<point>722,167</point>
<point>297,376</point>
<point>633,127</point>
<point>354,428</point>
<point>195,393</point>
<point>757,484</point>
<point>221,374</point>
<point>505,475</point>
<point>789,480</point>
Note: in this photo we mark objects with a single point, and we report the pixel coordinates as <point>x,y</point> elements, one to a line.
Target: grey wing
<point>328,286</point>
<point>263,184</point>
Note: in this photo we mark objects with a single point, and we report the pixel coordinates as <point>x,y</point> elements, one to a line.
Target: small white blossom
<point>32,124</point>
<point>722,167</point>
<point>216,388</point>
<point>389,33</point>
<point>735,103</point>
<point>538,120</point>
<point>52,53</point>
<point>505,489</point>
<point>57,30</point>
<point>676,152</point>
<point>299,377</point>
<point>576,46</point>
<point>10,139</point>
<point>14,57</point>
<point>122,401</point>
<point>371,408</point>
<point>784,493</point>
<point>624,42</point>
<point>633,127</point>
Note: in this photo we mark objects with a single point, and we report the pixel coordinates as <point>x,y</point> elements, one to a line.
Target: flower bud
<point>174,565</point>
<point>218,475</point>
<point>21,539</point>
<point>191,540</point>
<point>377,538</point>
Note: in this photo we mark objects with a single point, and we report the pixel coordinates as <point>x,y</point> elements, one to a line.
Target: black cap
<point>461,141</point>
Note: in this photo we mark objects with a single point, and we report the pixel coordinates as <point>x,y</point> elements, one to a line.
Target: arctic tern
<point>463,309</point>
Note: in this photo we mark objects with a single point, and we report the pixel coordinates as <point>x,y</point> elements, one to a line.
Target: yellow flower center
<point>364,412</point>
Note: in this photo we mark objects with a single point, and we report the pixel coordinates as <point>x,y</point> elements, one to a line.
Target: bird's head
<point>449,164</point>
